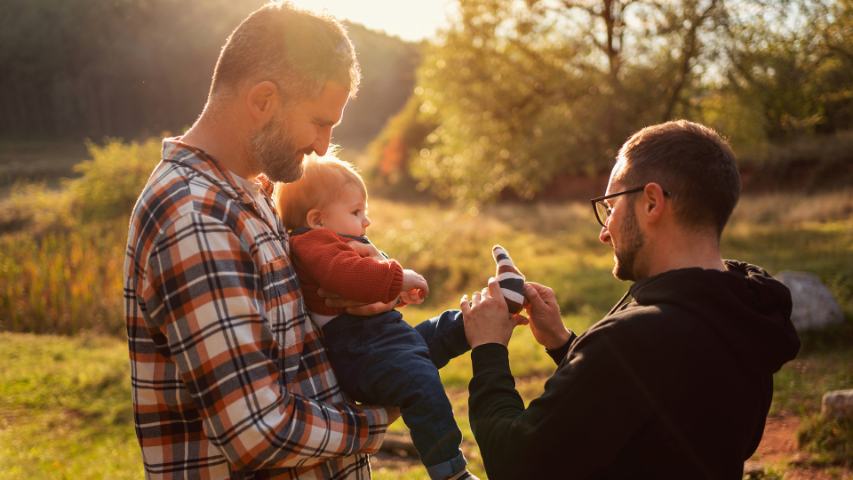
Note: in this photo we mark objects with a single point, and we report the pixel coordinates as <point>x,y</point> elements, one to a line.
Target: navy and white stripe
<point>510,279</point>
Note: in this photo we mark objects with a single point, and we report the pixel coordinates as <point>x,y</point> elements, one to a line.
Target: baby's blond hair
<point>322,180</point>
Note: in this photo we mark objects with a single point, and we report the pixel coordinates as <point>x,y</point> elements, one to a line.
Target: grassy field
<point>65,400</point>
<point>65,409</point>
<point>65,403</point>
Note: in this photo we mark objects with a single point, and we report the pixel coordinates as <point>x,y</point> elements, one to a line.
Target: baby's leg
<point>445,337</point>
<point>412,382</point>
<point>383,361</point>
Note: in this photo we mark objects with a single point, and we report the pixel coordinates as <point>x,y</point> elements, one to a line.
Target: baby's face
<point>348,213</point>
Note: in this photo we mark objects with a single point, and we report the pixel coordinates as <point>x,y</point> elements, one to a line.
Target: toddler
<point>378,359</point>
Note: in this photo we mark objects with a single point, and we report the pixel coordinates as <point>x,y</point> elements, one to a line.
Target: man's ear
<point>262,101</point>
<point>314,218</point>
<point>653,201</point>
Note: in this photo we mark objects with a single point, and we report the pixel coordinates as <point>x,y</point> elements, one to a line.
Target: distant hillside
<point>95,68</point>
<point>388,67</point>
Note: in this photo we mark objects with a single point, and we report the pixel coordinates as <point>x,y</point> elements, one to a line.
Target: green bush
<point>831,439</point>
<point>62,272</point>
<point>112,178</point>
<point>808,163</point>
<point>61,251</point>
<point>36,208</point>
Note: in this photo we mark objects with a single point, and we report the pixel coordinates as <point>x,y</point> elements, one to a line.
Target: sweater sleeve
<point>589,409</point>
<point>335,266</point>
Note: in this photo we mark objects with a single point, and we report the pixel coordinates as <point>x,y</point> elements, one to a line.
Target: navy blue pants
<point>382,360</point>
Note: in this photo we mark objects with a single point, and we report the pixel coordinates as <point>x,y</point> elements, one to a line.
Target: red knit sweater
<point>323,259</point>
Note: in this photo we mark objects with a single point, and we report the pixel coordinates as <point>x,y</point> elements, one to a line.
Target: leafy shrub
<point>809,163</point>
<point>61,251</point>
<point>34,207</point>
<point>830,438</point>
<point>112,178</point>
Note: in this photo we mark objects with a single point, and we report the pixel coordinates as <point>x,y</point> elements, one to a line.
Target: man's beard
<point>275,153</point>
<point>632,240</point>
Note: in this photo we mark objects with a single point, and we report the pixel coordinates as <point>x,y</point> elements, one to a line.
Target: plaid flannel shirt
<point>229,378</point>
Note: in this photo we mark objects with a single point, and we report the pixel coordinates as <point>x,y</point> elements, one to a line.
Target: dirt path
<point>778,452</point>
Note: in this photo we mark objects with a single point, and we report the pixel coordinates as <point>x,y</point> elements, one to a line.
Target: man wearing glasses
<point>676,380</point>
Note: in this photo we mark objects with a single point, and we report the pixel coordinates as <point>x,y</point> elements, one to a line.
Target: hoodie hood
<point>746,307</point>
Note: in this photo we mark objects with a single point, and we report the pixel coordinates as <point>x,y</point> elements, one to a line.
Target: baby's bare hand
<point>413,297</point>
<point>413,280</point>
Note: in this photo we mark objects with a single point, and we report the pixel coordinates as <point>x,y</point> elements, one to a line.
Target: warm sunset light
<point>407,20</point>
<point>542,238</point>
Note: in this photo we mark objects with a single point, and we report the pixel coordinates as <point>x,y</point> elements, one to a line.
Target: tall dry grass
<point>61,255</point>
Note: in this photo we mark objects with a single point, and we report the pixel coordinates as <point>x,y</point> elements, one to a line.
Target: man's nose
<point>321,143</point>
<point>604,235</point>
<point>366,221</point>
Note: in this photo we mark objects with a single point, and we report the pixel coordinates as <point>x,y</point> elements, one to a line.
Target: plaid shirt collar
<point>178,152</point>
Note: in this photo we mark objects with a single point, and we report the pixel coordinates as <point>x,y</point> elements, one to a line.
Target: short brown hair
<point>691,161</point>
<point>322,179</point>
<point>299,50</point>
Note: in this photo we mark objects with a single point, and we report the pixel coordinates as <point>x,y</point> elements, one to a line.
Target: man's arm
<point>589,409</point>
<point>202,294</point>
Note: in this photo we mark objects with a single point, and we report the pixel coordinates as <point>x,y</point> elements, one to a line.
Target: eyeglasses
<point>603,211</point>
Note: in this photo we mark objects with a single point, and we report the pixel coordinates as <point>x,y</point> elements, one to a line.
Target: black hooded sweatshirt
<point>675,382</point>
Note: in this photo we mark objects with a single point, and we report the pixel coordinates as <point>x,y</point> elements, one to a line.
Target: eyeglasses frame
<point>594,201</point>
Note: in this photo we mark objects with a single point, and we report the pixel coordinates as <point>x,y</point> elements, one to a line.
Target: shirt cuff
<point>377,421</point>
<point>559,353</point>
<point>489,357</point>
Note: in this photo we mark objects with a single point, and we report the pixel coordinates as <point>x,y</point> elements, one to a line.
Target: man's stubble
<point>275,153</point>
<point>632,241</point>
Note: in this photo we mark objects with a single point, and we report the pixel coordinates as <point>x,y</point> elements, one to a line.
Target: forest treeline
<point>125,68</point>
<point>517,96</point>
<point>511,99</point>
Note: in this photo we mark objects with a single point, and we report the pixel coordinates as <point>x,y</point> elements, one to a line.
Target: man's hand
<point>486,317</point>
<point>366,249</point>
<point>544,316</point>
<point>354,307</point>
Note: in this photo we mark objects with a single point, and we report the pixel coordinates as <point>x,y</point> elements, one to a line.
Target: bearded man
<point>229,377</point>
<point>677,379</point>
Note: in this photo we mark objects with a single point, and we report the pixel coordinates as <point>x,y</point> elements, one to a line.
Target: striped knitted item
<point>510,279</point>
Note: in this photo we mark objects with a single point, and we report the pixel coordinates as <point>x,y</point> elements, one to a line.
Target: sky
<point>409,20</point>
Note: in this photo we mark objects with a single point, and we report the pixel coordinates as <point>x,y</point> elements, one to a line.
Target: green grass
<point>65,409</point>
<point>65,402</point>
<point>799,386</point>
<point>830,439</point>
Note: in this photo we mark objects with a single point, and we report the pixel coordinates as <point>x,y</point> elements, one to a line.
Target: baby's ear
<point>314,218</point>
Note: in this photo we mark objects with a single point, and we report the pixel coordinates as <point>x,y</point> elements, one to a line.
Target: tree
<point>127,68</point>
<point>794,63</point>
<point>524,90</point>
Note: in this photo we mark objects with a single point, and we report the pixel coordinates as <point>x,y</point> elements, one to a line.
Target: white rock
<point>814,306</point>
<point>837,404</point>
